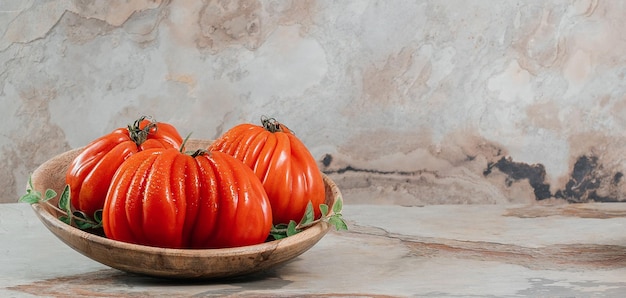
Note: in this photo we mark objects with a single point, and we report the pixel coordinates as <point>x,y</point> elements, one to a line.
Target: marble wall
<point>402,102</point>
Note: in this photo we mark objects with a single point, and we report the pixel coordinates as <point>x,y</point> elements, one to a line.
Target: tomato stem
<point>199,152</point>
<point>139,135</point>
<point>271,124</point>
<point>182,146</point>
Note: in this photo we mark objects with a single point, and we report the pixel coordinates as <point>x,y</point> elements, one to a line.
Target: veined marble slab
<point>389,251</point>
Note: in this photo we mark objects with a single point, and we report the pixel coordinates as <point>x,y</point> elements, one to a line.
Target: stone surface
<point>390,251</point>
<point>425,102</point>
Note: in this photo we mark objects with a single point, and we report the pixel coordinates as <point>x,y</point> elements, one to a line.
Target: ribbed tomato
<point>281,161</point>
<point>90,173</point>
<point>165,198</point>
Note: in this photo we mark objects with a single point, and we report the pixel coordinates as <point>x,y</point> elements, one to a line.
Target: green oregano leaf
<point>338,222</point>
<point>50,194</point>
<point>338,205</point>
<point>82,221</point>
<point>65,219</point>
<point>278,236</point>
<point>79,214</point>
<point>29,198</point>
<point>65,204</point>
<point>83,225</point>
<point>324,210</point>
<point>278,231</point>
<point>280,226</point>
<point>291,228</point>
<point>30,183</point>
<point>97,216</point>
<point>64,200</point>
<point>309,215</point>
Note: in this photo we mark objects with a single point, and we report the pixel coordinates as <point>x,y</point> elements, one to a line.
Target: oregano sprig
<point>68,215</point>
<point>335,219</point>
<point>80,220</point>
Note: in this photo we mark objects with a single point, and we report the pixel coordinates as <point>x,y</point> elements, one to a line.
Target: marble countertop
<point>390,250</point>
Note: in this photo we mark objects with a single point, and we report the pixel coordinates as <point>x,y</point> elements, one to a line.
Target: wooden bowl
<point>167,262</point>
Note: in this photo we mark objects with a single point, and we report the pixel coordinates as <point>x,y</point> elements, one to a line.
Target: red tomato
<point>90,173</point>
<point>165,198</point>
<point>281,161</point>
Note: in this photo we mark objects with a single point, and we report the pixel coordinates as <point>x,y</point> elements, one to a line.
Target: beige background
<point>404,102</point>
